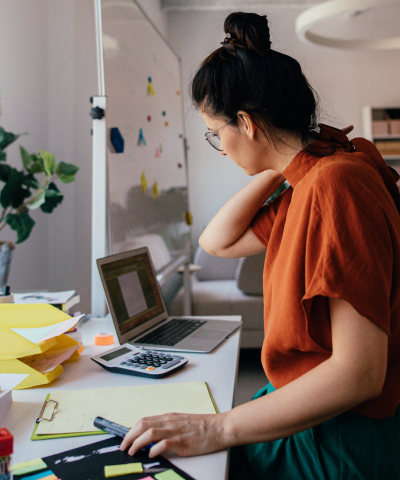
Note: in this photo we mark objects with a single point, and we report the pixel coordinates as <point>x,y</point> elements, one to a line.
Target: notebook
<point>138,310</point>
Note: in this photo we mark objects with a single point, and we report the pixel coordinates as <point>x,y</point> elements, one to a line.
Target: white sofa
<point>228,287</point>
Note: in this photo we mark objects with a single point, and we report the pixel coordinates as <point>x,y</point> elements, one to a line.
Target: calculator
<point>130,360</point>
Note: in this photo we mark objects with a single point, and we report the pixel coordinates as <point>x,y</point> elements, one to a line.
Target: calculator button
<point>171,364</point>
<point>150,368</point>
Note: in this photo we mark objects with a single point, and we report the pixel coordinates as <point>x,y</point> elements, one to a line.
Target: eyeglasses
<point>213,138</point>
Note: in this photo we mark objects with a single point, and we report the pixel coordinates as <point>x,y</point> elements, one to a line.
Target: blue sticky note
<point>37,476</point>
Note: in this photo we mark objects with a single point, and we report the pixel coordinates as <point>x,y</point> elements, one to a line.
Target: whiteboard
<point>148,190</point>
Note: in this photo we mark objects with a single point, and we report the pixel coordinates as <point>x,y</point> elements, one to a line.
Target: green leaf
<point>53,198</point>
<point>49,162</point>
<point>27,159</point>
<point>39,200</point>
<point>31,182</point>
<point>36,167</point>
<point>53,193</point>
<point>14,193</point>
<point>21,223</point>
<point>3,156</point>
<point>6,138</point>
<point>5,170</point>
<point>66,172</point>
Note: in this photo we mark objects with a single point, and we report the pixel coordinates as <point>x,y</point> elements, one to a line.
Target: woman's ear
<point>248,125</point>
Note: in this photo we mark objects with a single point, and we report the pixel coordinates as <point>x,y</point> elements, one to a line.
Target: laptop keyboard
<point>171,332</point>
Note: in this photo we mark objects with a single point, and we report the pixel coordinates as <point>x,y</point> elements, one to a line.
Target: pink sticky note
<point>147,478</point>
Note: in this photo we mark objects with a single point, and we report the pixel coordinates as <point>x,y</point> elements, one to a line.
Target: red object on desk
<point>6,442</point>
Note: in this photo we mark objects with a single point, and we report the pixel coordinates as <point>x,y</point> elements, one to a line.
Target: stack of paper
<point>33,341</point>
<point>7,383</point>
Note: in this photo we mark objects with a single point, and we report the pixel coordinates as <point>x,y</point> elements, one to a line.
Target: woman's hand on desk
<point>183,434</point>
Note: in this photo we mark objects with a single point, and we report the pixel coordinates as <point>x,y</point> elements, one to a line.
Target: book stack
<point>62,300</point>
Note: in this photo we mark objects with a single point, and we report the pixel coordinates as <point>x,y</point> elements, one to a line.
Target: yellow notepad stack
<point>33,342</point>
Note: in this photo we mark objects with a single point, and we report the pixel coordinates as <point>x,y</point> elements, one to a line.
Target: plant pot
<point>6,251</point>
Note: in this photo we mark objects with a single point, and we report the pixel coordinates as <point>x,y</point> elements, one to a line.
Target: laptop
<point>138,310</point>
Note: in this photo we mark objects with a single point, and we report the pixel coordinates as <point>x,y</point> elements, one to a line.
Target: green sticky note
<point>28,467</point>
<point>124,469</point>
<point>168,475</point>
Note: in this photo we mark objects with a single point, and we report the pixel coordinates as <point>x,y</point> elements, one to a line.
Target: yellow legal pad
<point>77,409</point>
<point>125,469</point>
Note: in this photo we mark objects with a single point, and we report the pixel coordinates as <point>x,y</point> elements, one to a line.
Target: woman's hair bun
<point>249,30</point>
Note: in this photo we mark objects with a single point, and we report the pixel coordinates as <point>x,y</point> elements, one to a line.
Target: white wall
<point>345,81</point>
<point>48,66</point>
<point>24,102</point>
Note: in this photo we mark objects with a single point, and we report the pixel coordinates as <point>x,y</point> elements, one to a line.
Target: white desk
<point>218,369</point>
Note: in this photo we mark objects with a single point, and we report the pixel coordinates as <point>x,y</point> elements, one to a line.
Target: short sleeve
<point>350,247</point>
<point>263,222</point>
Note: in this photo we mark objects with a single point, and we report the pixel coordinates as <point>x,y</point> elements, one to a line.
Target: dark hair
<point>254,78</point>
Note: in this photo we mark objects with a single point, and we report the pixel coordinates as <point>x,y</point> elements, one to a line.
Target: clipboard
<point>123,405</point>
<point>59,435</point>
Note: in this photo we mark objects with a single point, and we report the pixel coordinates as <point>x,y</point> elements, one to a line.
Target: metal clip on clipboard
<point>41,417</point>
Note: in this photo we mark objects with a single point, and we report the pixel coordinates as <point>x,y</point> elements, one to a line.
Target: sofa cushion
<point>249,274</point>
<point>222,297</point>
<point>214,268</point>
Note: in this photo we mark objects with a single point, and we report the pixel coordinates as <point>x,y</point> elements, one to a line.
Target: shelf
<point>389,136</point>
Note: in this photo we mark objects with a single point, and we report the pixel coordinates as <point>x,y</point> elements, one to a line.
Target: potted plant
<point>31,187</point>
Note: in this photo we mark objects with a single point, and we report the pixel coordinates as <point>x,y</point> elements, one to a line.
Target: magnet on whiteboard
<point>117,140</point>
<point>150,89</point>
<point>103,339</point>
<point>141,139</point>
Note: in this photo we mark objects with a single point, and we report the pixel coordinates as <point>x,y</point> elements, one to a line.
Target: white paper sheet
<point>7,382</point>
<point>47,361</point>
<point>39,334</point>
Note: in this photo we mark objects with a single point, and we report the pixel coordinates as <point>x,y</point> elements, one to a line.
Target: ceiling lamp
<point>314,17</point>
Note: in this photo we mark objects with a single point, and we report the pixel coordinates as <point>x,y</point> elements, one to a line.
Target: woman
<point>331,279</point>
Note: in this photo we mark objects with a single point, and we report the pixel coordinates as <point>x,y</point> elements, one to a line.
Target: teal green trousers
<point>347,447</point>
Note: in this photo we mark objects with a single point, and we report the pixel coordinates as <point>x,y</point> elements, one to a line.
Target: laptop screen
<point>132,291</point>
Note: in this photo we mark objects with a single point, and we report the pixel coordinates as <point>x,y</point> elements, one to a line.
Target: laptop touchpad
<point>209,334</point>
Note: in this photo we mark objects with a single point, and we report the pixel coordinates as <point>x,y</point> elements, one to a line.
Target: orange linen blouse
<point>335,232</point>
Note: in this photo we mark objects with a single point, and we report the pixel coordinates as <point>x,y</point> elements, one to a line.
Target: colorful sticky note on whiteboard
<point>155,193</point>
<point>150,89</point>
<point>141,139</point>
<point>143,182</point>
<point>168,475</point>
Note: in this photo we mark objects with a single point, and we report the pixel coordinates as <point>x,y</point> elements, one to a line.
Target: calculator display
<point>116,354</point>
